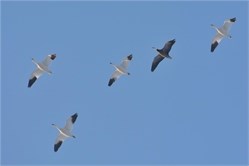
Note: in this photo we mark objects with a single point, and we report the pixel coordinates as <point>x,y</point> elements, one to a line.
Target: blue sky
<point>192,110</point>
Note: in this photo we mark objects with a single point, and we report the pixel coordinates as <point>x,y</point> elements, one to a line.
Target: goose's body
<point>120,69</point>
<point>41,68</point>
<point>222,32</point>
<point>65,132</point>
<point>162,53</point>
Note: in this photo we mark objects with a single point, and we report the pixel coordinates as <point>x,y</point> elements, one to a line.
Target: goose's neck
<point>212,25</point>
<point>33,60</point>
<point>56,127</point>
<point>37,64</point>
<point>218,30</point>
<point>114,65</point>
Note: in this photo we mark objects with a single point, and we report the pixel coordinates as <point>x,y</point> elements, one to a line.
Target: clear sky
<point>192,110</point>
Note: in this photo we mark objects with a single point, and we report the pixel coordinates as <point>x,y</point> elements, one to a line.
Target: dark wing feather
<point>214,45</point>
<point>32,81</point>
<point>74,117</point>
<point>114,77</point>
<point>216,40</point>
<point>167,47</point>
<point>49,59</point>
<point>70,122</point>
<point>53,56</point>
<point>156,61</point>
<point>111,81</point>
<point>57,145</point>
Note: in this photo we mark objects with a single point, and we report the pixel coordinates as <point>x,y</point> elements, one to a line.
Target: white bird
<point>162,53</point>
<point>41,68</point>
<point>222,32</point>
<point>120,69</point>
<point>65,132</point>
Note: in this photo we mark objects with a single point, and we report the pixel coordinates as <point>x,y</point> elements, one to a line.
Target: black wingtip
<point>53,56</point>
<point>173,41</point>
<point>152,68</point>
<point>31,82</point>
<point>57,146</point>
<point>129,57</point>
<point>111,81</point>
<point>214,45</point>
<point>74,117</point>
<point>233,19</point>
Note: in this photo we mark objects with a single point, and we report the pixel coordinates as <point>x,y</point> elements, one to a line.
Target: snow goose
<point>65,132</point>
<point>162,53</point>
<point>120,69</point>
<point>41,68</point>
<point>222,32</point>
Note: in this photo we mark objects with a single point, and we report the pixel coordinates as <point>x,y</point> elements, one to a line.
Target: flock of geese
<point>43,67</point>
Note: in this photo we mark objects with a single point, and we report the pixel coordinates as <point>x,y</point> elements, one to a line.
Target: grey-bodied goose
<point>162,53</point>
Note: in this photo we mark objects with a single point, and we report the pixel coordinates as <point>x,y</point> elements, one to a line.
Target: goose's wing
<point>156,61</point>
<point>58,142</point>
<point>48,59</point>
<point>70,121</point>
<point>228,23</point>
<point>114,77</point>
<point>218,37</point>
<point>35,75</point>
<point>168,45</point>
<point>126,62</point>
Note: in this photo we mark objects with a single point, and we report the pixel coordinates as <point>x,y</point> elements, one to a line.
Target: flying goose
<point>65,132</point>
<point>120,69</point>
<point>162,53</point>
<point>41,68</point>
<point>222,32</point>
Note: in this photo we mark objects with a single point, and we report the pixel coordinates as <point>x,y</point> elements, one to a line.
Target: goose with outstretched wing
<point>222,32</point>
<point>120,69</point>
<point>41,68</point>
<point>65,132</point>
<point>162,53</point>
